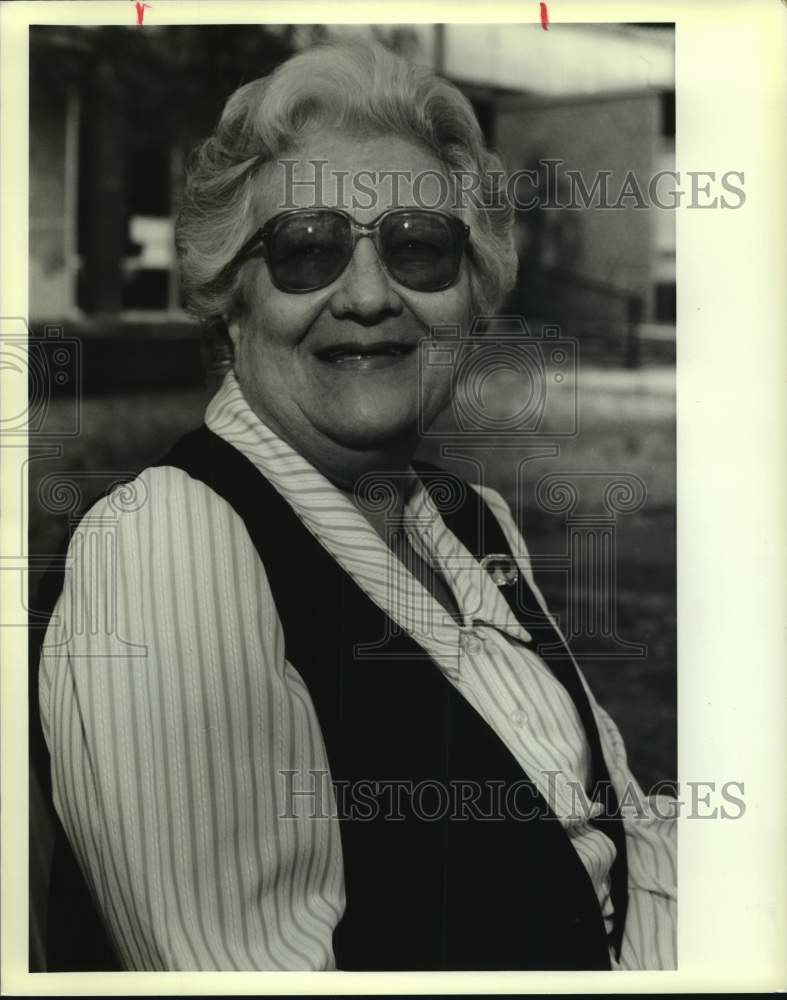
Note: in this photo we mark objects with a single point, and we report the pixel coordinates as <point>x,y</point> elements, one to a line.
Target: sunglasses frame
<point>257,244</point>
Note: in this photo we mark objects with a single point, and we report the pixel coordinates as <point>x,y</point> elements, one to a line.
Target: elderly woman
<point>331,724</point>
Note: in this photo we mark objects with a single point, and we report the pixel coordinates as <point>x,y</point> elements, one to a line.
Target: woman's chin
<point>378,433</point>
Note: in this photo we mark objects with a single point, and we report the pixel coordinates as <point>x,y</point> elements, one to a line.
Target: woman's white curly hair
<point>360,89</point>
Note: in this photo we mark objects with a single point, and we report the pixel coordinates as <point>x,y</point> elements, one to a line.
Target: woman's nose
<point>364,289</point>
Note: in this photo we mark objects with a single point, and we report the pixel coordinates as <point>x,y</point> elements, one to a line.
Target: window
<point>668,114</point>
<point>665,302</point>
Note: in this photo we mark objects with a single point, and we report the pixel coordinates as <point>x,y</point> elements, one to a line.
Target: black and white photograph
<point>352,507</point>
<point>303,700</point>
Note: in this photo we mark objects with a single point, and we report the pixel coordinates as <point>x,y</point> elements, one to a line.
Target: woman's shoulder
<point>168,536</point>
<point>155,491</point>
<point>161,504</point>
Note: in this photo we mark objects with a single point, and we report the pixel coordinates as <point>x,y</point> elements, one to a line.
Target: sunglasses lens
<point>422,250</point>
<point>309,250</point>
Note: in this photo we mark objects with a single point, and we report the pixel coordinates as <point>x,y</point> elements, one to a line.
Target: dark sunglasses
<point>306,249</point>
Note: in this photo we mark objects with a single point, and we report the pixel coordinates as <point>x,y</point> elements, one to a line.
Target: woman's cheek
<point>436,393</point>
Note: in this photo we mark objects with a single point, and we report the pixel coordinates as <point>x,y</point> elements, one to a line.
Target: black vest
<point>481,888</point>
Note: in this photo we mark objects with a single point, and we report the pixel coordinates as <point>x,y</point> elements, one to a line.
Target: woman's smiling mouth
<point>362,356</point>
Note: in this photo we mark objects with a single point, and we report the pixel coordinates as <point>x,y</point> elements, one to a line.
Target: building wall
<point>51,291</point>
<point>615,134</point>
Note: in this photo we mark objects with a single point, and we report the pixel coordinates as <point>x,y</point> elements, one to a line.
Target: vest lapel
<point>479,531</point>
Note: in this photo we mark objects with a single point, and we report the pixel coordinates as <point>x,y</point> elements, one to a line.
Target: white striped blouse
<point>171,714</point>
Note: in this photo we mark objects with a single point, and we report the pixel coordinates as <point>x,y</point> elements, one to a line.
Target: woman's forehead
<point>364,176</point>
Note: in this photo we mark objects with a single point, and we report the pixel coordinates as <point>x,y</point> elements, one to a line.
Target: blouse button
<point>519,718</point>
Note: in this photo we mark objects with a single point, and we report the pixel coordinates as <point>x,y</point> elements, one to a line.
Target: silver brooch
<point>502,568</point>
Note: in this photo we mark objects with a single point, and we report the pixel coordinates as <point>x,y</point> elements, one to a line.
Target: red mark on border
<point>544,16</point>
<point>142,7</point>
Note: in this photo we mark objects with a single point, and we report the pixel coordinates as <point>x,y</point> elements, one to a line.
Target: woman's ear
<point>233,329</point>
